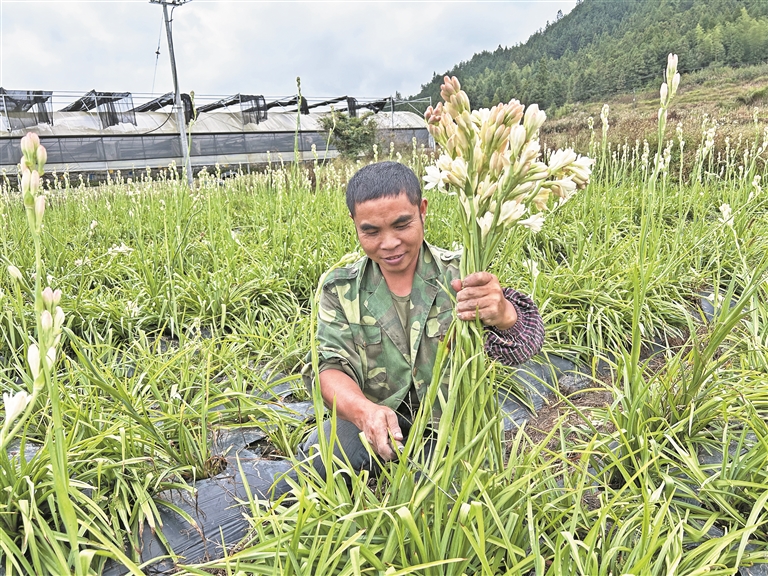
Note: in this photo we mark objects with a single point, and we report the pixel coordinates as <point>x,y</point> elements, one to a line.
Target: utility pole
<point>177,96</point>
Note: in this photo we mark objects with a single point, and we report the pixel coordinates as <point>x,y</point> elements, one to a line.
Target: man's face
<point>391,231</point>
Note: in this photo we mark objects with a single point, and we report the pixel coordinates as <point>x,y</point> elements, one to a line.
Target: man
<point>381,319</point>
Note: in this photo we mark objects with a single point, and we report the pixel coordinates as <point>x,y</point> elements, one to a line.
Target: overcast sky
<point>363,49</point>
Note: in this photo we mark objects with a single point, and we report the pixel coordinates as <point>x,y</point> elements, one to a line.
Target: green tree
<point>349,134</point>
<point>601,48</point>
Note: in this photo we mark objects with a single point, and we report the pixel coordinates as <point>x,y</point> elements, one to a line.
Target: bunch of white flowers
<point>491,158</point>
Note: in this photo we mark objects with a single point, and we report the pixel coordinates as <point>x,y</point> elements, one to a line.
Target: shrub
<point>350,135</point>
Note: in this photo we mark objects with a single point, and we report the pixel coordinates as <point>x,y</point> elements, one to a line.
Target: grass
<point>180,306</point>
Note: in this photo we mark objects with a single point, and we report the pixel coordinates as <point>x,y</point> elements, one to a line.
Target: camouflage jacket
<point>360,333</point>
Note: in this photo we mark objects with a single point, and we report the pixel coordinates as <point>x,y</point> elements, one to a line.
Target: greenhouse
<point>104,131</point>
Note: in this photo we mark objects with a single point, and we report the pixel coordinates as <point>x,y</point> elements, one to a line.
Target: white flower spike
<point>727,218</point>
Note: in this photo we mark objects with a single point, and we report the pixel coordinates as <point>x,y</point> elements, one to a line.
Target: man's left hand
<point>480,295</point>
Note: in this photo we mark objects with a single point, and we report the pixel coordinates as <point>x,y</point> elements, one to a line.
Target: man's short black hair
<point>382,180</point>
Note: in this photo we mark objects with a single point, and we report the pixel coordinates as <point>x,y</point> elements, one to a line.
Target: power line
<point>157,54</point>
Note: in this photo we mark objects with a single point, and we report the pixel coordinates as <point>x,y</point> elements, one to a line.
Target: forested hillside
<point>603,47</point>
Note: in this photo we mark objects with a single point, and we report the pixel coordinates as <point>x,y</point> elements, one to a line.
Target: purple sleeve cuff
<point>524,339</point>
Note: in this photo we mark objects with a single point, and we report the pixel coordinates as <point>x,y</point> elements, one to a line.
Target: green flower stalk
<point>22,403</point>
<point>491,160</point>
<point>41,355</point>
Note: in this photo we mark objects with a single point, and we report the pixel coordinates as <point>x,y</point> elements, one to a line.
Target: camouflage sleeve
<point>335,345</point>
<point>519,343</point>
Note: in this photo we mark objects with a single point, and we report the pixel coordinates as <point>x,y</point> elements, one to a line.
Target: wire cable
<point>157,55</point>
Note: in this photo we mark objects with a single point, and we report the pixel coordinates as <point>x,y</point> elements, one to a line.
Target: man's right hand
<point>378,423</point>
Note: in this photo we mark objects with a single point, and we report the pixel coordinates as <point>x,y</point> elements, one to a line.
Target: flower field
<point>178,307</point>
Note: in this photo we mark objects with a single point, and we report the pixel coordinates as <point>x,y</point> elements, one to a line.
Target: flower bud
<point>15,273</point>
<point>39,209</point>
<point>533,119</point>
<point>524,188</point>
<point>58,317</point>
<point>497,163</point>
<point>50,358</point>
<point>675,82</point>
<point>434,115</point>
<point>46,321</point>
<point>479,204</point>
<point>26,147</point>
<point>671,65</point>
<point>459,169</point>
<point>530,152</point>
<point>15,404</point>
<point>466,205</point>
<point>464,122</point>
<point>42,158</point>
<point>462,101</point>
<point>663,93</point>
<point>449,87</point>
<point>26,165</point>
<point>517,139</point>
<point>48,297</point>
<point>486,189</point>
<point>451,110</point>
<point>461,143</point>
<point>481,117</point>
<point>485,223</point>
<point>513,111</point>
<point>541,199</point>
<point>33,358</point>
<point>29,144</point>
<point>26,180</point>
<point>34,181</point>
<point>499,137</point>
<point>538,171</point>
<point>450,145</point>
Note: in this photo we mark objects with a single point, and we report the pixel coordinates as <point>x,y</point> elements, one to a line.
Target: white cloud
<point>229,46</point>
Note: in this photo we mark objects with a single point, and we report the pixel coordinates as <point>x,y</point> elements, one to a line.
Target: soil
<point>599,395</point>
<point>542,423</point>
